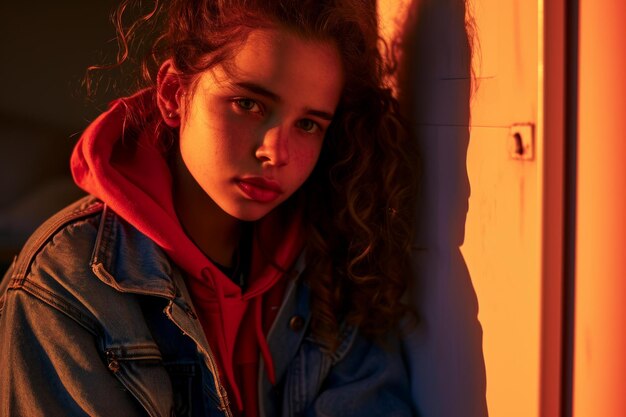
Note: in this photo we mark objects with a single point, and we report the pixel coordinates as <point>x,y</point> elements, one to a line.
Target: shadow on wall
<point>445,351</point>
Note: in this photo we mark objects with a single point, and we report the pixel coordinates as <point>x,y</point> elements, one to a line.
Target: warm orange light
<point>600,334</point>
<point>503,229</point>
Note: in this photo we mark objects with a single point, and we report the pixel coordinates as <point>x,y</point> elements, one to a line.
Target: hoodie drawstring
<point>265,350</point>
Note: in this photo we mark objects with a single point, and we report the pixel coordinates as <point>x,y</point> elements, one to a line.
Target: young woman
<point>247,236</point>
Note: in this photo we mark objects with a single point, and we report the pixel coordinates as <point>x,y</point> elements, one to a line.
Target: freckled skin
<point>229,131</point>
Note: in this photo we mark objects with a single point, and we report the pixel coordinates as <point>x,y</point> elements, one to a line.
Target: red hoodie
<point>133,178</point>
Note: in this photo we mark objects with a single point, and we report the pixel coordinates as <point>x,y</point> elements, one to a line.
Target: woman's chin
<point>249,213</point>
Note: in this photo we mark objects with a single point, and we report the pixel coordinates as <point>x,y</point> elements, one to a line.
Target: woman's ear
<point>169,93</point>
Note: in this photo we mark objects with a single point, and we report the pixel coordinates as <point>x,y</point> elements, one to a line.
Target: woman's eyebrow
<point>262,91</point>
<point>257,89</point>
<point>321,114</point>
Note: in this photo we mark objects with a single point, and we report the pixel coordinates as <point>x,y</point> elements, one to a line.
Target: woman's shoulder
<point>89,237</point>
<point>84,259</point>
<point>54,259</point>
<point>64,238</point>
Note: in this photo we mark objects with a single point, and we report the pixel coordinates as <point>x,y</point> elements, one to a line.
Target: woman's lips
<point>260,189</point>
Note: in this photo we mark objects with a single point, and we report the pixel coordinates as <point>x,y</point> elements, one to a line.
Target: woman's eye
<point>248,105</point>
<point>308,125</point>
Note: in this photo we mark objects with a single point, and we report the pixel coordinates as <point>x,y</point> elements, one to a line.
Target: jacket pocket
<point>183,377</point>
<point>140,369</point>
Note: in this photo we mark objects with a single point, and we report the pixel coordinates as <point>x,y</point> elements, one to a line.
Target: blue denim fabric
<point>96,321</point>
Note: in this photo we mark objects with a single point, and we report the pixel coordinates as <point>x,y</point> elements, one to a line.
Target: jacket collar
<point>129,261</point>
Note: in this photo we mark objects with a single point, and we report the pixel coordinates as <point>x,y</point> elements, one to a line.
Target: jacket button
<point>296,323</point>
<point>114,366</point>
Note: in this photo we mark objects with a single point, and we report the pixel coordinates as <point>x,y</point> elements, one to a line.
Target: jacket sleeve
<point>50,364</point>
<point>370,381</point>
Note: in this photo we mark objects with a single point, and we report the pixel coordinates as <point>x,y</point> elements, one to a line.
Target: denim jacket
<point>96,321</point>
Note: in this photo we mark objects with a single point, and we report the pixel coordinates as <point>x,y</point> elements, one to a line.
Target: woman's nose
<point>274,147</point>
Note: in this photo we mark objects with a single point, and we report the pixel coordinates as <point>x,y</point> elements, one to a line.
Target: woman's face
<point>252,131</point>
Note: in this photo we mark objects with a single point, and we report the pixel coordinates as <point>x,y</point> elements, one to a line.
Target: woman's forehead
<point>286,64</point>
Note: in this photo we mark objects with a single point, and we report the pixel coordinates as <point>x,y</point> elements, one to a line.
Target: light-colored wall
<point>600,314</point>
<point>503,230</point>
<point>480,211</point>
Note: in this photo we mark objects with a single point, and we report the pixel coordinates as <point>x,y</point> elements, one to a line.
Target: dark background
<point>46,47</point>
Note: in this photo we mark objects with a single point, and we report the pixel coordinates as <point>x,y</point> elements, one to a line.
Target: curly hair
<point>360,198</point>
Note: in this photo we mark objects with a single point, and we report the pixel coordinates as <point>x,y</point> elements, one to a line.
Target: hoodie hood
<point>132,176</point>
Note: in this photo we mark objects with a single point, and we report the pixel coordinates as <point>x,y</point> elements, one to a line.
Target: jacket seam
<point>63,306</point>
<point>103,239</point>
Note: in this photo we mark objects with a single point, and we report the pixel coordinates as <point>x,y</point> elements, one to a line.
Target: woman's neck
<point>211,229</point>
